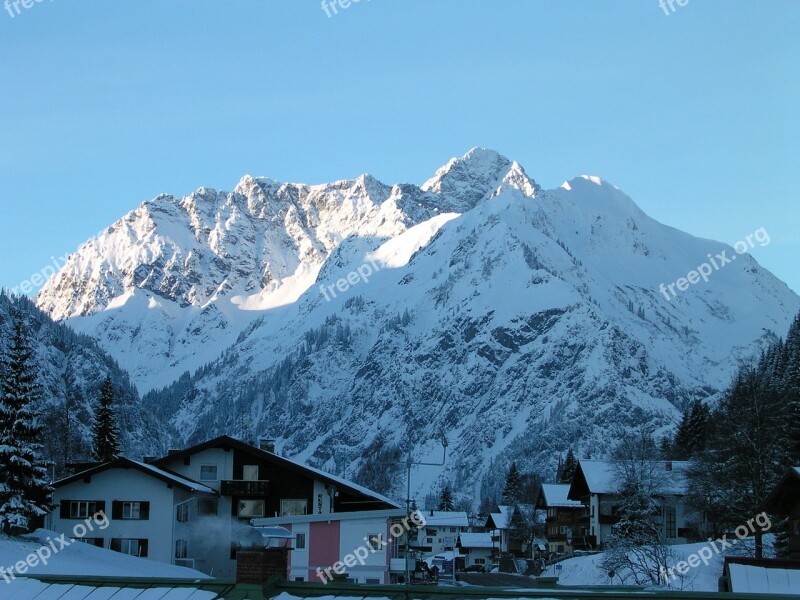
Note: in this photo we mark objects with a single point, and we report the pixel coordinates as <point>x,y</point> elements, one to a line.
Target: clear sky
<point>695,114</point>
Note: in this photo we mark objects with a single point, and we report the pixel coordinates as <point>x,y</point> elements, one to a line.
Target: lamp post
<point>409,465</point>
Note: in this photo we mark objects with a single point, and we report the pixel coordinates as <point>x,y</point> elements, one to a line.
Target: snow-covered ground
<point>586,570</point>
<point>82,559</point>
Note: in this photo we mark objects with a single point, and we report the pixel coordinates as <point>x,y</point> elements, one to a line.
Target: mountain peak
<point>479,174</point>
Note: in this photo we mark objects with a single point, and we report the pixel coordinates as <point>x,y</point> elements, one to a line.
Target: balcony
<point>239,487</point>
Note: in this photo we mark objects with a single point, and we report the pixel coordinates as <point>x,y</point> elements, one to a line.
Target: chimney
<point>267,445</point>
<point>259,565</point>
<point>668,465</point>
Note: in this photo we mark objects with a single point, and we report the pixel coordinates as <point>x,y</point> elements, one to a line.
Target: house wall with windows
<point>139,508</point>
<point>330,538</point>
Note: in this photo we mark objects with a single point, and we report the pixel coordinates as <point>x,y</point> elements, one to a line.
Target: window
<point>250,473</point>
<point>300,541</point>
<point>131,510</point>
<point>78,509</point>
<point>181,549</point>
<point>300,579</point>
<point>251,508</point>
<point>372,581</point>
<point>208,473</point>
<point>134,547</point>
<point>670,525</point>
<point>292,508</point>
<point>207,507</point>
<point>182,513</point>
<point>480,561</point>
<point>375,542</point>
<point>92,541</point>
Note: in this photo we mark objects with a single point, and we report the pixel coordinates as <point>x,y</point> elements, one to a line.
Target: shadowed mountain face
<point>517,319</point>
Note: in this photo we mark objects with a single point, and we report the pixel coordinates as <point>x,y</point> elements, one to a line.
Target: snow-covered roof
<point>753,579</point>
<point>555,495</point>
<point>148,469</point>
<point>602,476</point>
<point>24,588</point>
<point>475,540</point>
<point>501,519</point>
<point>182,481</point>
<point>441,518</point>
<point>344,482</point>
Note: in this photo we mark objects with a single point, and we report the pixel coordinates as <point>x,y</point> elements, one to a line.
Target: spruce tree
<point>446,499</point>
<point>568,468</point>
<point>512,490</point>
<point>24,489</point>
<point>105,431</point>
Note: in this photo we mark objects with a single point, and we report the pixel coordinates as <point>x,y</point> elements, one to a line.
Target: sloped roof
<point>51,589</point>
<point>500,520</point>
<point>226,440</point>
<point>556,495</point>
<point>147,469</point>
<point>475,540</point>
<point>601,477</point>
<point>755,579</point>
<point>441,518</point>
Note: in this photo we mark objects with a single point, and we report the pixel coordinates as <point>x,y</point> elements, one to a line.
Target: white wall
<point>124,485</point>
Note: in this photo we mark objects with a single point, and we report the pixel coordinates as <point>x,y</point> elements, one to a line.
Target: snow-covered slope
<point>169,285</point>
<point>517,319</point>
<point>83,559</point>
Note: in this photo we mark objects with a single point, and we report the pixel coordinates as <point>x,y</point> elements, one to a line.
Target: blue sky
<point>106,104</point>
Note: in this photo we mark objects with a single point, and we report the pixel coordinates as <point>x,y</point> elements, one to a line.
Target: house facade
<point>441,531</point>
<point>784,501</point>
<point>563,528</point>
<point>479,549</point>
<point>138,501</point>
<point>322,540</point>
<point>194,507</point>
<point>596,485</point>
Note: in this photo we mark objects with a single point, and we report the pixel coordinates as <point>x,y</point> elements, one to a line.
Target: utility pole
<point>409,465</point>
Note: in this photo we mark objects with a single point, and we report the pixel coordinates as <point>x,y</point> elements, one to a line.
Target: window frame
<point>89,512</point>
<point>250,515</point>
<point>209,466</point>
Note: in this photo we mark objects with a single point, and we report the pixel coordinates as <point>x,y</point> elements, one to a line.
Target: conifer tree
<point>105,431</point>
<point>568,468</point>
<point>446,499</point>
<point>512,491</point>
<point>24,489</point>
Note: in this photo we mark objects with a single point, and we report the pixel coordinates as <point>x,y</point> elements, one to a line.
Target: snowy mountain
<point>517,319</point>
<point>71,368</point>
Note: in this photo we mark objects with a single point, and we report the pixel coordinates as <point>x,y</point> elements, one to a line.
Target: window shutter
<point>144,511</point>
<point>143,544</point>
<point>116,509</point>
<point>116,544</point>
<point>64,514</point>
